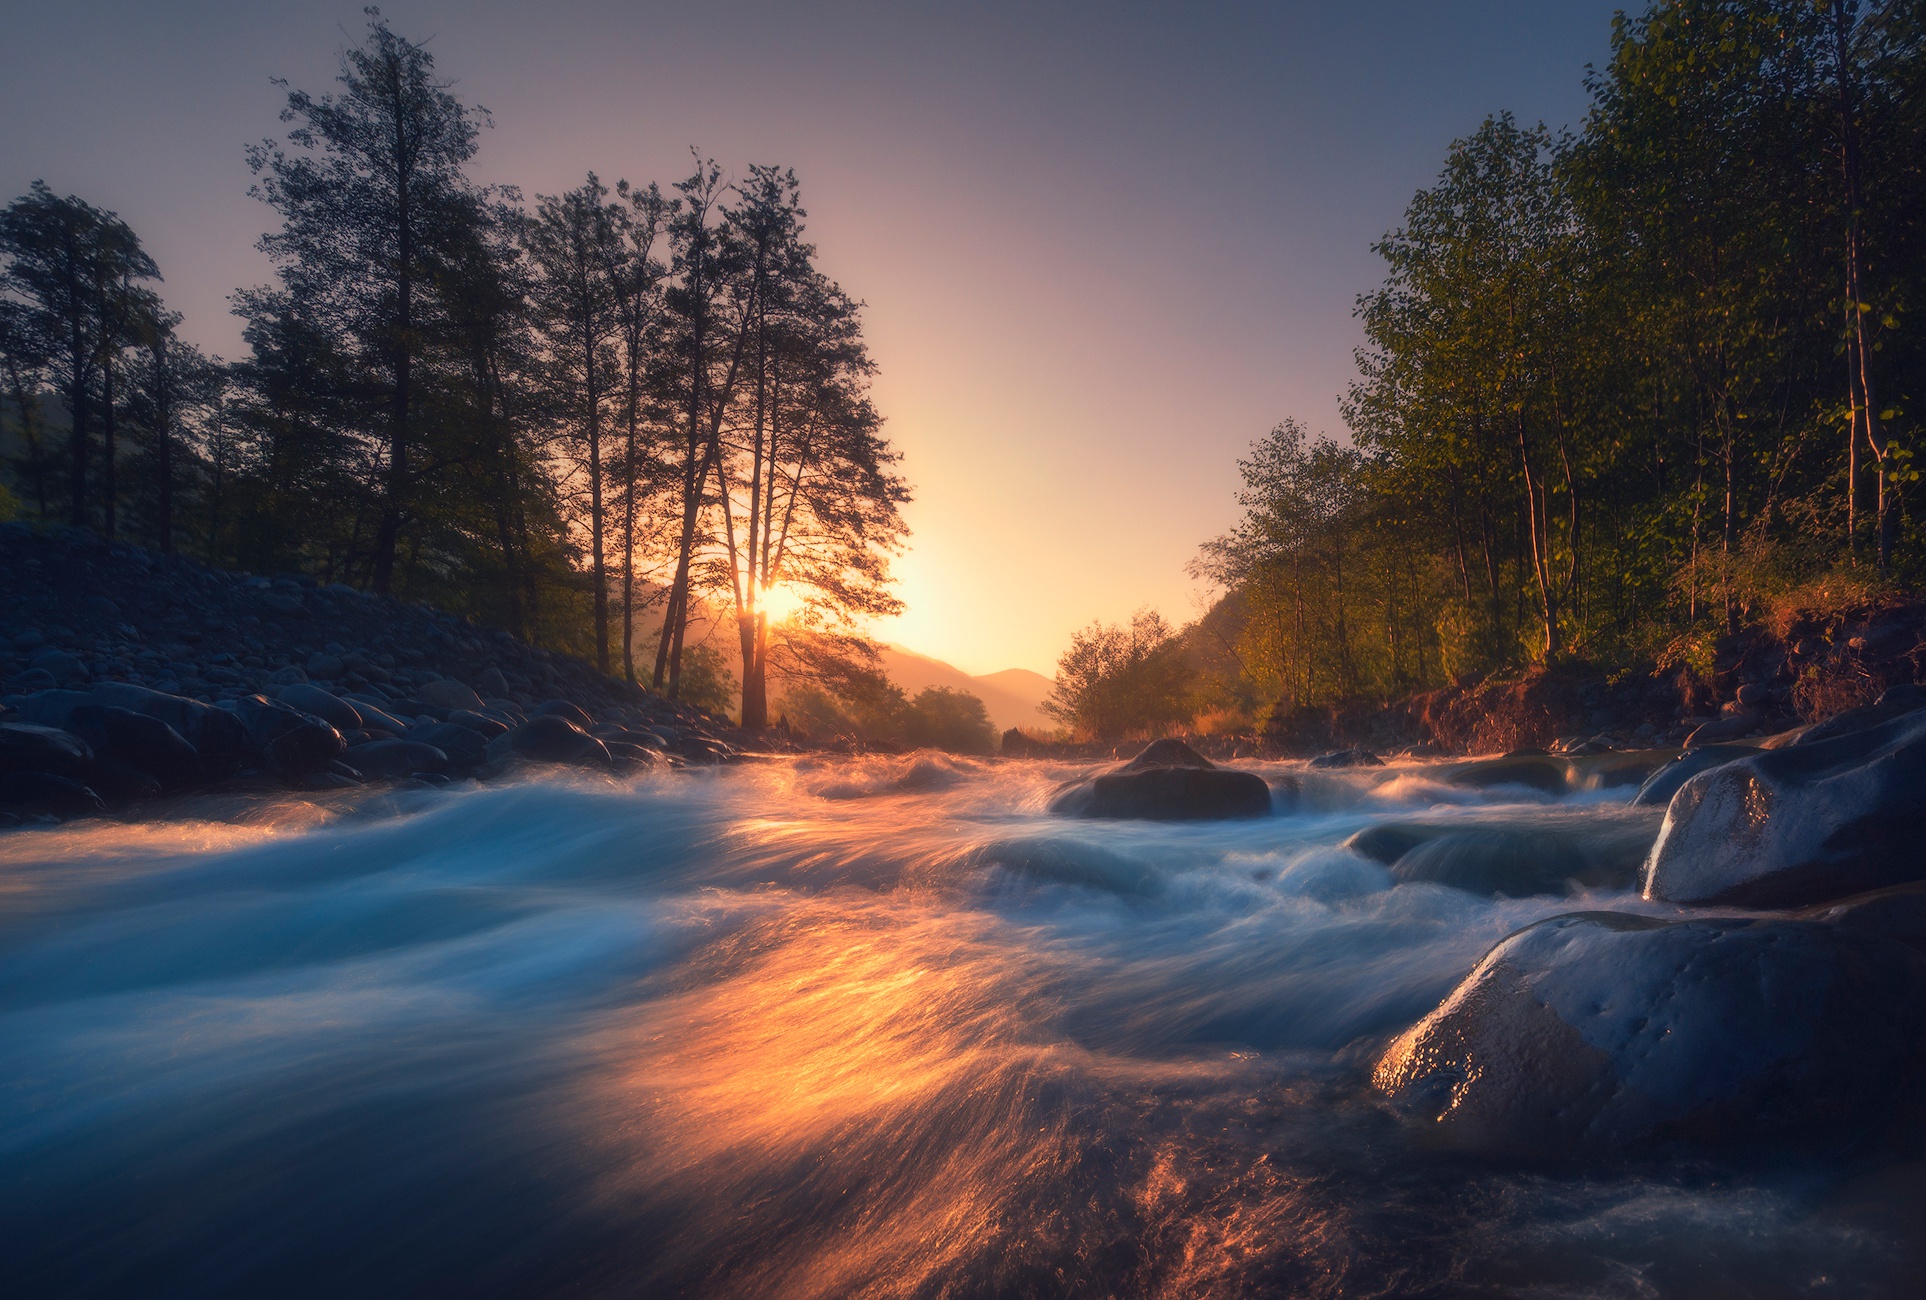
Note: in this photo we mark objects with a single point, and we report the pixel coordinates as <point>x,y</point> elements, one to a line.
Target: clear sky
<point>1103,247</point>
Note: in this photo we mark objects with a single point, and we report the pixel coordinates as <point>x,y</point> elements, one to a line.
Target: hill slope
<point>1011,697</point>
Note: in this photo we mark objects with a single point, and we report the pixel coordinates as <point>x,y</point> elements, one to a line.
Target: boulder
<point>1596,1032</point>
<point>1515,861</point>
<point>64,668</point>
<point>1892,703</point>
<point>393,758</point>
<point>463,747</point>
<point>1168,781</point>
<point>139,742</point>
<point>291,743</point>
<point>490,681</point>
<point>1799,825</point>
<point>549,738</point>
<point>449,694</point>
<point>27,747</point>
<point>562,709</point>
<point>325,705</point>
<point>1734,727</point>
<point>480,723</point>
<point>1659,787</point>
<point>375,717</point>
<point>218,736</point>
<point>1534,770</point>
<point>46,794</point>
<point>1356,756</point>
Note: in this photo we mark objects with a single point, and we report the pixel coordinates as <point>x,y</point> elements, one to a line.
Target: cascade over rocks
<point>1168,781</point>
<point>1799,825</point>
<point>1598,1031</point>
<point>1516,861</point>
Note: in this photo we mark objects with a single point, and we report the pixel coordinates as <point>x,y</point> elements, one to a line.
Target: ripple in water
<point>809,1028</point>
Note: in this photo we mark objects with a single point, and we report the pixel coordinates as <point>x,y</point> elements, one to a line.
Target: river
<point>807,1027</point>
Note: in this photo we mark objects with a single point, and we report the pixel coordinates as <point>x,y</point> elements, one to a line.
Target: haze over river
<point>810,1027</point>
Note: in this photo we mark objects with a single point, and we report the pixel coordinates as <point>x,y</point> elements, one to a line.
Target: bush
<point>1120,681</point>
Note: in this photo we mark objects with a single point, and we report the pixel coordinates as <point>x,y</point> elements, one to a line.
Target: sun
<point>779,602</point>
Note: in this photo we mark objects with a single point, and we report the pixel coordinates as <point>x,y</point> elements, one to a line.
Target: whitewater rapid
<point>805,1027</point>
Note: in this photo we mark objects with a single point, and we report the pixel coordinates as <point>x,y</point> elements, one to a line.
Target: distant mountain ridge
<point>1010,697</point>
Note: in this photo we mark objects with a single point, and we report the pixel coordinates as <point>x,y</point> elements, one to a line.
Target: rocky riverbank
<point>125,674</point>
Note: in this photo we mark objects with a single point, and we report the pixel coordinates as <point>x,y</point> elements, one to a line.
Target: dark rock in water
<point>1168,781</point>
<point>1518,861</point>
<point>375,717</point>
<point>462,746</point>
<point>1895,702</point>
<point>549,738</point>
<point>1533,769</point>
<point>47,794</point>
<point>480,723</point>
<point>328,707</point>
<point>1664,783</point>
<point>396,758</point>
<point>448,694</point>
<point>1356,756</point>
<point>27,747</point>
<point>1016,745</point>
<point>561,709</point>
<point>1799,825</point>
<point>308,746</point>
<point>119,783</point>
<point>1599,1031</point>
<point>145,744</point>
<point>216,734</point>
<point>490,681</point>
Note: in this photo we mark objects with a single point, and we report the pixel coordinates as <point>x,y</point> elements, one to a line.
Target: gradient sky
<point>1103,247</point>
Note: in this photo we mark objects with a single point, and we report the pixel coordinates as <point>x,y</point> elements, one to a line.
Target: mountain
<point>1010,697</point>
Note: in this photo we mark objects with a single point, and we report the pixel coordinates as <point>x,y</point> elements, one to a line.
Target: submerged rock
<point>1600,1031</point>
<point>1516,861</point>
<point>1799,825</point>
<point>549,738</point>
<point>1356,756</point>
<point>1168,781</point>
<point>1535,770</point>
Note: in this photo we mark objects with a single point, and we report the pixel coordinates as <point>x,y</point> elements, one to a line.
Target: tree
<point>376,205</point>
<point>1117,681</point>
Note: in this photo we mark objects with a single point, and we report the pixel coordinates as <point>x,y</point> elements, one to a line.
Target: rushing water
<point>805,1028</point>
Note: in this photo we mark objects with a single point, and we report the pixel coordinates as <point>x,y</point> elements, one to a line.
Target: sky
<point>1103,248</point>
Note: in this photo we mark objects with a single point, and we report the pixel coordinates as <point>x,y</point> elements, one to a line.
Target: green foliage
<point>1118,681</point>
<point>950,720</point>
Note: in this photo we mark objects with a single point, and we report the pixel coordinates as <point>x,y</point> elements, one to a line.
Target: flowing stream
<point>808,1028</point>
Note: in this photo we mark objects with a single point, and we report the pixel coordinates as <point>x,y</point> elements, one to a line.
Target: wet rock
<point>1735,727</point>
<point>1658,789</point>
<point>218,736</point>
<point>449,694</point>
<point>47,794</point>
<point>1168,781</point>
<point>1356,756</point>
<point>1799,825</point>
<point>463,746</point>
<point>392,758</point>
<point>1516,861</point>
<point>30,681</point>
<point>65,669</point>
<point>327,667</point>
<point>1597,1032</point>
<point>549,738</point>
<point>490,681</point>
<point>142,743</point>
<point>1895,702</point>
<point>375,717</point>
<point>562,709</point>
<point>330,708</point>
<point>480,723</point>
<point>1532,770</point>
<point>28,747</point>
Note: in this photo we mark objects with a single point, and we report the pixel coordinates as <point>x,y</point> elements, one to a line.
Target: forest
<point>613,421</point>
<point>1624,390</point>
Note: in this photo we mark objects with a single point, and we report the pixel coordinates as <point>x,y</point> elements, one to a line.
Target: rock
<point>28,747</point>
<point>449,694</point>
<point>1735,727</point>
<point>137,741</point>
<point>1534,771</point>
<point>462,746</point>
<point>64,668</point>
<point>1515,861</point>
<point>1016,745</point>
<point>391,758</point>
<point>1600,1031</point>
<point>292,743</point>
<point>330,708</point>
<point>490,681</point>
<point>47,794</point>
<point>479,723</point>
<point>549,738</point>
<point>218,736</point>
<point>1753,694</point>
<point>1664,783</point>
<point>376,718</point>
<point>562,709</point>
<point>1895,702</point>
<point>1798,825</point>
<point>1356,756</point>
<point>34,679</point>
<point>326,666</point>
<point>1168,781</point>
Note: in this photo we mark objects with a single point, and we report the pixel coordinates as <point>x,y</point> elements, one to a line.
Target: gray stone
<point>1658,789</point>
<point>1799,825</point>
<point>29,747</point>
<point>1356,756</point>
<point>448,694</point>
<point>1168,781</point>
<point>549,738</point>
<point>392,758</point>
<point>328,707</point>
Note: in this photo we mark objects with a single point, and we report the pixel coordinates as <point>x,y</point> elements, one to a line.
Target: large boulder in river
<point>1517,859</point>
<point>1799,825</point>
<point>549,738</point>
<point>1658,788</point>
<point>1532,769</point>
<point>134,740</point>
<point>325,705</point>
<point>1168,781</point>
<point>1599,1031</point>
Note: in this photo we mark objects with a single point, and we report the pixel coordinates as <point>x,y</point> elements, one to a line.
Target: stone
<point>479,723</point>
<point>325,705</point>
<point>325,666</point>
<point>65,669</point>
<point>393,758</point>
<point>29,747</point>
<point>562,709</point>
<point>137,741</point>
<point>1356,756</point>
<point>1601,1032</point>
<point>491,681</point>
<point>375,717</point>
<point>1658,789</point>
<point>1895,702</point>
<point>448,694</point>
<point>462,746</point>
<point>1800,825</point>
<point>549,738</point>
<point>1735,727</point>
<point>218,736</point>
<point>32,680</point>
<point>47,794</point>
<point>1532,770</point>
<point>1168,781</point>
<point>1753,694</point>
<point>1514,861</point>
